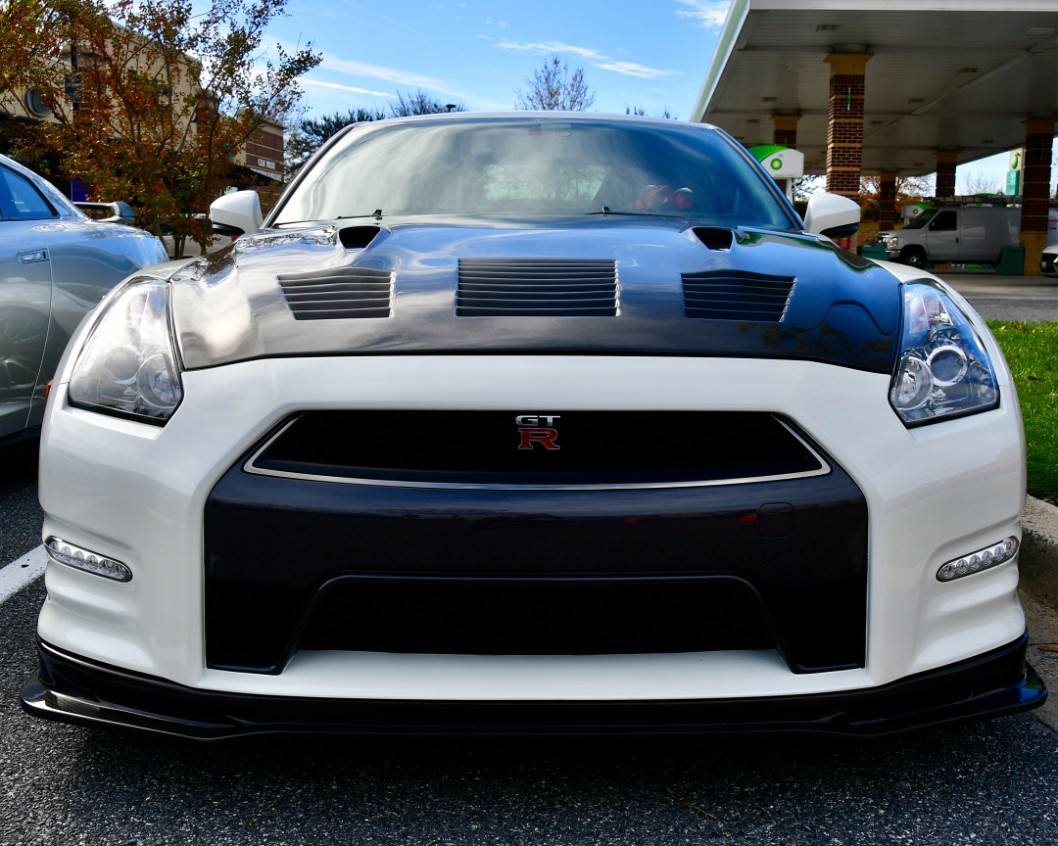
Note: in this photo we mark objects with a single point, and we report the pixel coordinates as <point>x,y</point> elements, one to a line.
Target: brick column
<point>887,200</point>
<point>784,134</point>
<point>1035,190</point>
<point>945,173</point>
<point>845,122</point>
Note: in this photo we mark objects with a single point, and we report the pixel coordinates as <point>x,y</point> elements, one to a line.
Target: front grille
<point>446,543</point>
<point>536,616</point>
<point>734,295</point>
<point>507,448</point>
<point>296,564</point>
<point>536,288</point>
<point>339,293</point>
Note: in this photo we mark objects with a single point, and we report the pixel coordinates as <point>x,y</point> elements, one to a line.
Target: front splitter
<point>76,690</point>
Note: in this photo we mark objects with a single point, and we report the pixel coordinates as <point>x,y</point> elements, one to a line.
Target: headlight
<point>943,370</point>
<point>128,364</point>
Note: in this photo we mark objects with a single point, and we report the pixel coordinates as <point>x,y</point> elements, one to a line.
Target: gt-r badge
<point>536,429</point>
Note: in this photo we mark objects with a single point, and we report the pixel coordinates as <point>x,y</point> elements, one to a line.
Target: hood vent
<point>338,294</point>
<point>714,238</point>
<point>357,237</point>
<point>735,295</point>
<point>537,288</point>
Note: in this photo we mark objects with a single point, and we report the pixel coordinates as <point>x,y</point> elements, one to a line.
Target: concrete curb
<point>1038,559</point>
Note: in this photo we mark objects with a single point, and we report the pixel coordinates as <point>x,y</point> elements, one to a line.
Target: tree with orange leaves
<point>149,99</point>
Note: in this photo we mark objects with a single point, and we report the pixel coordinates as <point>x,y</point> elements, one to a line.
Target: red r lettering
<point>532,437</point>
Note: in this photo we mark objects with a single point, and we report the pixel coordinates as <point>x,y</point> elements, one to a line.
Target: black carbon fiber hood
<point>604,285</point>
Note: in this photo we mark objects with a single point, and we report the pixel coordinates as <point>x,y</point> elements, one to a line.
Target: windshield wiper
<point>607,210</point>
<point>376,214</point>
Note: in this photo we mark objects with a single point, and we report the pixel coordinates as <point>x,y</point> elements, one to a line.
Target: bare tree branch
<point>554,88</point>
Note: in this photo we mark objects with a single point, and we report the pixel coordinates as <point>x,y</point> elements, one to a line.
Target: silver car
<point>55,265</point>
<point>1049,260</point>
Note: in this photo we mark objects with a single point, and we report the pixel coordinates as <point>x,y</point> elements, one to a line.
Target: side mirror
<point>832,215</point>
<point>236,214</point>
<point>124,212</point>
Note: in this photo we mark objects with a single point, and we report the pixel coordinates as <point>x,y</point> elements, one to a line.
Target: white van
<point>953,233</point>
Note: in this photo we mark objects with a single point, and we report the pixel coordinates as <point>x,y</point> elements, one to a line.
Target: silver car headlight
<point>128,365</point>
<point>943,370</point>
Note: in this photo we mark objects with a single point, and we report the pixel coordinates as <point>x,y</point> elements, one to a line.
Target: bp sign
<point>1013,187</point>
<point>780,162</point>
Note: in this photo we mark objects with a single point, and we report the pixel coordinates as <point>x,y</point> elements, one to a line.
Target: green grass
<point>1031,349</point>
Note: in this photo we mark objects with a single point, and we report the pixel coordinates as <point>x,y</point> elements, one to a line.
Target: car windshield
<point>514,167</point>
<point>920,221</point>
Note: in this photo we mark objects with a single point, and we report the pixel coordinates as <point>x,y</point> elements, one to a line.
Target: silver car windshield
<point>524,167</point>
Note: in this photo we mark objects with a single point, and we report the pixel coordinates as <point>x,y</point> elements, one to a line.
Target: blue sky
<point>647,53</point>
<point>651,54</point>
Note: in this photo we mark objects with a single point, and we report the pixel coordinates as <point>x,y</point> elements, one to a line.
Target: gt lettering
<point>536,429</point>
<point>536,419</point>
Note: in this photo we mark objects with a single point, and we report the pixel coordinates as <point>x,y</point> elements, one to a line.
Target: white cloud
<point>632,69</point>
<point>352,89</point>
<point>332,64</point>
<point>710,13</point>
<point>550,47</point>
<point>400,77</point>
<point>594,57</point>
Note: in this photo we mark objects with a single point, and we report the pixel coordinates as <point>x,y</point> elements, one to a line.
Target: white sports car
<point>515,423</point>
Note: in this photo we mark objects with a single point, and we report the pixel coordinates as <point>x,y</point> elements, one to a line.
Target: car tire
<point>913,256</point>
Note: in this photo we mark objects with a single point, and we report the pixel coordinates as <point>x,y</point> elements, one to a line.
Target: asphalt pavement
<point>1027,298</point>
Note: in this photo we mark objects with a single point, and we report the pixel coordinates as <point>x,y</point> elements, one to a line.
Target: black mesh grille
<point>537,616</point>
<point>731,295</point>
<point>507,448</point>
<point>338,294</point>
<point>536,287</point>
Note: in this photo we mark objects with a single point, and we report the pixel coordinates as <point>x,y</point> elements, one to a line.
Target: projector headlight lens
<point>943,370</point>
<point>128,365</point>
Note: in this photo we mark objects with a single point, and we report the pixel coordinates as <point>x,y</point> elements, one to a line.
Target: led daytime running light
<point>84,559</point>
<point>975,562</point>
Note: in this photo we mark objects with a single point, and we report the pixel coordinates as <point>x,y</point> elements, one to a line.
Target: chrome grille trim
<point>250,467</point>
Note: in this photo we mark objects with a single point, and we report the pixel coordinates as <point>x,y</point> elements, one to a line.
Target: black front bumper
<point>718,531</point>
<point>76,690</point>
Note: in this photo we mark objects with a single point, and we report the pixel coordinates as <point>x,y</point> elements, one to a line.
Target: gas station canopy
<point>943,75</point>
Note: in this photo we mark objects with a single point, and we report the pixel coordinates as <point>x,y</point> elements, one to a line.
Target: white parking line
<point>21,572</point>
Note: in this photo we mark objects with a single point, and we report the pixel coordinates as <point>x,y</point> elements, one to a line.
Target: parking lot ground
<point>1024,298</point>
